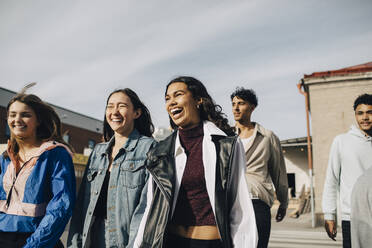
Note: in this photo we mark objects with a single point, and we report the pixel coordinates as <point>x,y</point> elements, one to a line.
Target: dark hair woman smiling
<point>112,195</point>
<point>197,195</point>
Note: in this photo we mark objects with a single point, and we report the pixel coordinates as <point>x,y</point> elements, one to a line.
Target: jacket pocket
<point>133,174</point>
<point>92,173</point>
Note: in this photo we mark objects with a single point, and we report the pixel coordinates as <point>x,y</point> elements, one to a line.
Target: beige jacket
<point>265,167</point>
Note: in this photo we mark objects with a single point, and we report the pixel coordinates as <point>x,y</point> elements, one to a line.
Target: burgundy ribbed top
<point>193,206</point>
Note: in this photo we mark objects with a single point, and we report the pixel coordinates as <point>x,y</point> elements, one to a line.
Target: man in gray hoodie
<point>349,158</point>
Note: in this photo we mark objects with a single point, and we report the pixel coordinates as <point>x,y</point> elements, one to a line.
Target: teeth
<point>175,110</point>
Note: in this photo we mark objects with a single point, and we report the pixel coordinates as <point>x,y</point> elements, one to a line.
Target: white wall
<point>296,162</point>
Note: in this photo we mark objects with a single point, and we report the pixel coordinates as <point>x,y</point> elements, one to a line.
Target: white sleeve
<point>139,238</point>
<point>242,218</point>
<point>331,185</point>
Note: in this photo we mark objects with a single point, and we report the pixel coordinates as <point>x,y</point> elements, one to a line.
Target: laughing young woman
<point>37,179</point>
<point>112,193</point>
<point>197,194</point>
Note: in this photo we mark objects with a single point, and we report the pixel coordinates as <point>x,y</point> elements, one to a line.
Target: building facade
<point>331,98</point>
<point>79,130</point>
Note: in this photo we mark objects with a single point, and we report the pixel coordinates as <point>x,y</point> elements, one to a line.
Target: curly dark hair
<point>363,99</point>
<point>143,124</point>
<point>246,94</point>
<point>208,109</point>
<point>49,127</point>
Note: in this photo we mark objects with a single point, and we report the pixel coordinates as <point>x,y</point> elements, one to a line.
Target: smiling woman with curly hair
<point>197,195</point>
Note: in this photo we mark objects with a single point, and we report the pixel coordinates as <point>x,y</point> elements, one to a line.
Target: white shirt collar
<point>209,129</point>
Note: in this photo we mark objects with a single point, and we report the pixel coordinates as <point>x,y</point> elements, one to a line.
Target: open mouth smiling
<point>117,120</point>
<point>19,126</point>
<point>176,111</point>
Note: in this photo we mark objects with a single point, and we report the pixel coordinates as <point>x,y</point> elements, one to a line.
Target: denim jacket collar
<point>130,145</point>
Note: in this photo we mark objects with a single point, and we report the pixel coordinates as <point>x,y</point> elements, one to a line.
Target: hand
<point>331,229</point>
<point>280,214</point>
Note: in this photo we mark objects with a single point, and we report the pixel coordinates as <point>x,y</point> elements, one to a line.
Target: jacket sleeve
<point>137,242</point>
<point>59,208</point>
<point>137,215</point>
<point>331,185</point>
<point>242,219</point>
<point>139,211</point>
<point>74,238</point>
<point>278,172</point>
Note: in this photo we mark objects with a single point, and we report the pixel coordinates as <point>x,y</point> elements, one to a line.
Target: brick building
<point>79,130</point>
<point>331,98</point>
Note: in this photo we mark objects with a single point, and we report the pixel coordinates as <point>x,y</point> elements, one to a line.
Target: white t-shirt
<point>246,141</point>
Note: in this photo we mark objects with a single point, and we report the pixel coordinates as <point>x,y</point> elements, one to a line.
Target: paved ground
<point>292,233</point>
<point>298,233</point>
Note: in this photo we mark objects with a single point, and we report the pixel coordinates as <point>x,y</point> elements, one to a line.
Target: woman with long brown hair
<point>37,180</point>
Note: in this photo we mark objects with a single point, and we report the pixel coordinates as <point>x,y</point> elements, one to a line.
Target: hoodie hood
<point>354,130</point>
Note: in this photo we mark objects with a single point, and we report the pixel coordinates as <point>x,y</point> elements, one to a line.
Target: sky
<point>80,51</point>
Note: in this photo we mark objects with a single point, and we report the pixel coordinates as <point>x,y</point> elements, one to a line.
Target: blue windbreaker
<point>40,199</point>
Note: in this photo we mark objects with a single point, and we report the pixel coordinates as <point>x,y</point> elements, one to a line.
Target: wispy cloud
<point>79,51</point>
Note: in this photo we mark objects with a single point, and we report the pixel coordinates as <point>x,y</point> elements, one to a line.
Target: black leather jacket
<point>161,165</point>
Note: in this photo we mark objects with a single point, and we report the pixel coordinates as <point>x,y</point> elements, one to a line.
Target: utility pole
<point>300,87</point>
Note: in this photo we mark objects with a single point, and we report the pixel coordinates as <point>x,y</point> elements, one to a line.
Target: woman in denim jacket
<point>112,195</point>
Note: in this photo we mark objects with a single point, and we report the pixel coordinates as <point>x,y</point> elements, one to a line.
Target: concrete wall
<point>297,163</point>
<point>331,106</point>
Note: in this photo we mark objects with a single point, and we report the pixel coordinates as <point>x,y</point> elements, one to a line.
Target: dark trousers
<point>18,240</point>
<point>13,239</point>
<point>263,222</point>
<point>174,241</point>
<point>346,236</point>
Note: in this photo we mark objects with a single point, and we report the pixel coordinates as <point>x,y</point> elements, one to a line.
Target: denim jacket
<point>126,195</point>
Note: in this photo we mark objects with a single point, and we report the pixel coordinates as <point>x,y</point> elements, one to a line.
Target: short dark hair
<point>363,99</point>
<point>143,123</point>
<point>246,94</point>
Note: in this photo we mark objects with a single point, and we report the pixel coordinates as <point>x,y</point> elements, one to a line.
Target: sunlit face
<point>120,113</point>
<point>363,116</point>
<point>181,106</point>
<point>22,121</point>
<point>241,109</point>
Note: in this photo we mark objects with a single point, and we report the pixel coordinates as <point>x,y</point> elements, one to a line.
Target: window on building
<point>7,132</point>
<point>66,138</point>
<point>292,184</point>
<point>91,144</point>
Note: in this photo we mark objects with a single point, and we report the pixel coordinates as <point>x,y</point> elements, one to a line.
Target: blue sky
<point>79,51</point>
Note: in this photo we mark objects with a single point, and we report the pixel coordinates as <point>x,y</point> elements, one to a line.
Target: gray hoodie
<point>361,211</point>
<point>350,156</point>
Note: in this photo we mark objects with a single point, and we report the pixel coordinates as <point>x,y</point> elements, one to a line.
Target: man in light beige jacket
<point>265,164</point>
